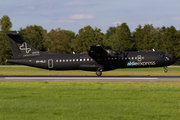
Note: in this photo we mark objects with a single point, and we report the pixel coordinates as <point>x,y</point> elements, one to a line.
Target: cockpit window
<point>166,58</point>
<point>165,55</point>
<point>160,55</point>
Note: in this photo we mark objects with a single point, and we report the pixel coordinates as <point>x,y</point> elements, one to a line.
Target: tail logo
<point>24,47</point>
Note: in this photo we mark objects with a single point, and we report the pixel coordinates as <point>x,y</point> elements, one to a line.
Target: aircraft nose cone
<point>173,60</point>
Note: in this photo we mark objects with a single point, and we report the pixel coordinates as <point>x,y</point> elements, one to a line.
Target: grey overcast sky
<point>73,15</point>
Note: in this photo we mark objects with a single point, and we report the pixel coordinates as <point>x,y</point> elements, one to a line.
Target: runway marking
<point>93,78</point>
<point>79,78</point>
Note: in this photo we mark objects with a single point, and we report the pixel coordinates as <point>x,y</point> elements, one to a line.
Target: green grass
<point>89,100</point>
<point>21,70</point>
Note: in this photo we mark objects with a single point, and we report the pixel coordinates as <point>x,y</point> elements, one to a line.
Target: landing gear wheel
<point>165,69</point>
<point>99,72</point>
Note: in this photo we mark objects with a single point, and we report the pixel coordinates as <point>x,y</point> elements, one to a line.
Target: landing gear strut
<point>99,72</point>
<point>165,69</point>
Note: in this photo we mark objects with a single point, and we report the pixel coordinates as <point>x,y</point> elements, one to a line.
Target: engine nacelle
<point>113,52</point>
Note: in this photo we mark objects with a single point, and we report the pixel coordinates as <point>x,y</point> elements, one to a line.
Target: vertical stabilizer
<point>19,47</point>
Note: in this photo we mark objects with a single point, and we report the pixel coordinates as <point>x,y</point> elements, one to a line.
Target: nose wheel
<point>99,72</point>
<point>165,69</point>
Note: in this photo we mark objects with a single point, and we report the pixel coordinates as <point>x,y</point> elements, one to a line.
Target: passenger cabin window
<point>70,60</point>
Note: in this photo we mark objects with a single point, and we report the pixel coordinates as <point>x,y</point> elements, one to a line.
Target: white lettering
<point>147,63</point>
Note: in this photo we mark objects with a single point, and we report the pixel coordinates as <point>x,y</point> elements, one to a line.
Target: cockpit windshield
<point>165,55</point>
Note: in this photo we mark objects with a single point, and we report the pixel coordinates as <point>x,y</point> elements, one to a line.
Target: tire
<point>98,73</point>
<point>165,70</point>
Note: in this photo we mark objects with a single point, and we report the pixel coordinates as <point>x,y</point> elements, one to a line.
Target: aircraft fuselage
<point>97,59</point>
<point>85,62</point>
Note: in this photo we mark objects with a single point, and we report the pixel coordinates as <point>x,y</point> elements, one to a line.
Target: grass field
<point>22,70</point>
<point>89,101</point>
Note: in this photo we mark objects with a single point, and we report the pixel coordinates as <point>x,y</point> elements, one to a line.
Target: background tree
<point>156,36</point>
<point>107,41</point>
<point>5,51</point>
<point>34,35</point>
<point>171,42</point>
<point>138,36</point>
<point>147,42</point>
<point>70,36</point>
<point>122,38</point>
<point>147,38</point>
<point>79,44</point>
<point>98,36</point>
<point>56,41</point>
<point>86,37</point>
<point>143,38</point>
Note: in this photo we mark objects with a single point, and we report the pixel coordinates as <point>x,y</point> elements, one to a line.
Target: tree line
<point>144,38</point>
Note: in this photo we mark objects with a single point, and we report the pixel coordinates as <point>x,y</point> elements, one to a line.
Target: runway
<point>93,78</point>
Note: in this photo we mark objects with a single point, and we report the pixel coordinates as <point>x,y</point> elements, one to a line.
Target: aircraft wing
<point>97,51</point>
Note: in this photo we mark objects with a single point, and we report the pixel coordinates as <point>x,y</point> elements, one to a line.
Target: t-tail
<point>19,47</point>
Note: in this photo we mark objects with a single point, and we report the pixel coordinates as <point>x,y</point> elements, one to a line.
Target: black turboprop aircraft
<point>97,59</point>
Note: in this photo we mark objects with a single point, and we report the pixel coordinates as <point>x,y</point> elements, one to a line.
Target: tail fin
<point>19,47</point>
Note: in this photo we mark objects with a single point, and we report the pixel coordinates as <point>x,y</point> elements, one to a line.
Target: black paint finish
<point>97,59</point>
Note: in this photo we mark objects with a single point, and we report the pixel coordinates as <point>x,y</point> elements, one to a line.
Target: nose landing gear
<point>165,69</point>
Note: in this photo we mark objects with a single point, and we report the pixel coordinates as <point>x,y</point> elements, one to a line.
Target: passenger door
<point>50,63</point>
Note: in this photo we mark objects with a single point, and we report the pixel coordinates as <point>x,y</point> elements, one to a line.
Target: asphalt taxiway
<point>93,78</point>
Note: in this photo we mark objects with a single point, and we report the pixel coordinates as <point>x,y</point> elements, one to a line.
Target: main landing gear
<point>99,72</point>
<point>165,69</point>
